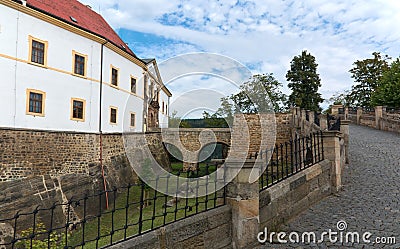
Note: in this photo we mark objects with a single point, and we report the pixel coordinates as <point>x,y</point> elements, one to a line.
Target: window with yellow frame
<point>79,64</point>
<point>35,102</point>
<point>113,115</point>
<point>78,109</point>
<point>114,76</point>
<point>132,121</point>
<point>38,51</point>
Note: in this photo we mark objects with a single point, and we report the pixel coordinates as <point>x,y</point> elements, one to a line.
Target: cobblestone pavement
<point>369,200</point>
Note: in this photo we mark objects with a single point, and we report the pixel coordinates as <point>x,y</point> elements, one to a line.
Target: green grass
<point>116,216</point>
<point>202,171</point>
<point>121,221</point>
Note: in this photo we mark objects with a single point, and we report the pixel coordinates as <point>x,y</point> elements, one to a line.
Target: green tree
<point>176,122</point>
<point>226,110</point>
<point>304,82</point>
<point>260,94</point>
<point>214,120</point>
<point>388,90</point>
<point>366,74</point>
<point>340,98</point>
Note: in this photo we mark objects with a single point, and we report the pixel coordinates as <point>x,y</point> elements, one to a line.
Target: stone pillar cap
<point>331,133</point>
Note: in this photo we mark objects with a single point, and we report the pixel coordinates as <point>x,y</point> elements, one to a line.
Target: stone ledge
<point>183,233</point>
<point>288,198</point>
<point>284,187</point>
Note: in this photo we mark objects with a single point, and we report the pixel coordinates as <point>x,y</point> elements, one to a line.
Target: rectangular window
<point>37,51</point>
<point>35,102</point>
<point>78,109</point>
<point>79,63</point>
<point>163,107</point>
<point>133,85</point>
<point>114,76</point>
<point>113,115</point>
<point>133,120</point>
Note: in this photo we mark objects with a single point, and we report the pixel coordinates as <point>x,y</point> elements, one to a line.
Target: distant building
<point>64,68</point>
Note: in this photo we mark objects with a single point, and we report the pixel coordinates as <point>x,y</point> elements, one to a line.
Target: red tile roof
<point>87,19</point>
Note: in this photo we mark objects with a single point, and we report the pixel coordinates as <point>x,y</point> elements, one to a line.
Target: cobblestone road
<point>370,199</point>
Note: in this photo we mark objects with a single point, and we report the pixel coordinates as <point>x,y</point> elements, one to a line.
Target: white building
<point>64,68</point>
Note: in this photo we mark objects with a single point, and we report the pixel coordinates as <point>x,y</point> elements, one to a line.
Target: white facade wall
<point>164,109</point>
<point>120,95</point>
<point>57,81</point>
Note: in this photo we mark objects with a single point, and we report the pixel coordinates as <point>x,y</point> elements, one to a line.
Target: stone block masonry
<point>211,230</point>
<point>379,118</point>
<point>39,168</point>
<point>25,153</point>
<point>29,153</point>
<point>286,200</point>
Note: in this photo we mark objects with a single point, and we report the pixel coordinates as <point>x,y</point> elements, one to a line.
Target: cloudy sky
<point>263,35</point>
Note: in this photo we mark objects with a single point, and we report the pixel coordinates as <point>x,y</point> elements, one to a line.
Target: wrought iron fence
<point>393,110</point>
<point>341,110</point>
<point>133,210</point>
<point>333,122</point>
<point>291,157</point>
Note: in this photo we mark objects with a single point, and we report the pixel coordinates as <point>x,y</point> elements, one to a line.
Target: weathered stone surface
<point>145,241</point>
<point>294,195</point>
<point>265,198</point>
<point>25,153</point>
<point>224,235</point>
<point>298,182</point>
<point>210,230</point>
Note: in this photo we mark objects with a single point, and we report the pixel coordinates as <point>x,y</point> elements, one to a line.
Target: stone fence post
<point>346,112</point>
<point>311,116</point>
<point>344,128</point>
<point>296,115</point>
<point>378,117</point>
<point>359,114</point>
<point>323,122</point>
<point>332,152</point>
<point>243,198</point>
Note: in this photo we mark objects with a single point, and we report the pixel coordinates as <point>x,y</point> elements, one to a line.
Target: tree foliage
<point>176,122</point>
<point>259,95</point>
<point>304,82</point>
<point>214,120</point>
<point>340,98</point>
<point>388,89</point>
<point>367,74</point>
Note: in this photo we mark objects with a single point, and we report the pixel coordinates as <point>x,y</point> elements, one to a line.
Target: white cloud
<point>266,33</point>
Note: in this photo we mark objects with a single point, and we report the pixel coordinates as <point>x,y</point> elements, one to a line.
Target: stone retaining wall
<point>39,168</point>
<point>281,202</point>
<point>30,153</point>
<point>379,119</point>
<point>211,230</point>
